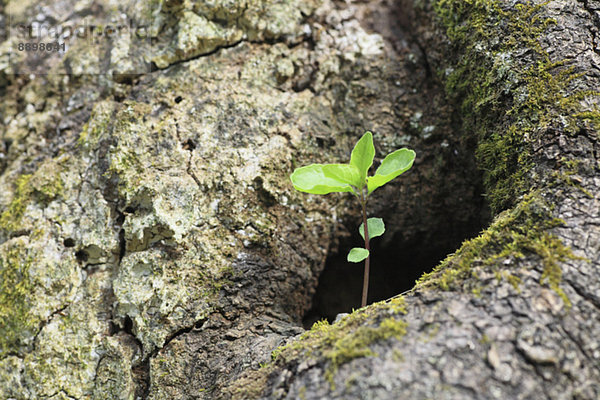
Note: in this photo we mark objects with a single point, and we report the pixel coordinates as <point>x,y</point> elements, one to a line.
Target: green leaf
<point>376,228</point>
<point>311,179</point>
<point>362,156</point>
<point>343,173</point>
<point>392,165</point>
<point>358,254</point>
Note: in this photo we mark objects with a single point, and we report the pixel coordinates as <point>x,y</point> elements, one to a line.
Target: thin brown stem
<point>363,201</point>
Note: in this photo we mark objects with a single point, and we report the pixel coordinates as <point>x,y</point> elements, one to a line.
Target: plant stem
<point>365,291</point>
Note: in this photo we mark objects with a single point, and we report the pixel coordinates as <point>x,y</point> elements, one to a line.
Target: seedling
<point>352,177</point>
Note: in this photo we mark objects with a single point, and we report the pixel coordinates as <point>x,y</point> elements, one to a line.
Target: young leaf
<point>311,179</point>
<point>362,156</point>
<point>344,173</point>
<point>357,254</point>
<point>392,165</point>
<point>376,228</point>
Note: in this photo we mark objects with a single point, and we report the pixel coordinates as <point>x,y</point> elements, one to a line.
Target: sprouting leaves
<point>344,173</point>
<point>375,225</point>
<point>312,179</point>
<point>362,155</point>
<point>353,177</point>
<point>394,164</point>
<point>357,254</point>
<point>328,178</point>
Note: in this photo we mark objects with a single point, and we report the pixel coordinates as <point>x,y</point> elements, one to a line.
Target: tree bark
<point>152,247</point>
<point>512,314</point>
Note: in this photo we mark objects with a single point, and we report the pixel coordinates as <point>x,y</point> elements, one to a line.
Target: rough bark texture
<point>152,247</point>
<point>518,306</point>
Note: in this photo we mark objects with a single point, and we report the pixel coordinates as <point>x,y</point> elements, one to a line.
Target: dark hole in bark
<point>399,260</point>
<point>120,218</point>
<point>430,210</point>
<point>122,244</point>
<point>128,325</point>
<point>69,242</point>
<point>263,195</point>
<point>113,328</point>
<point>189,145</point>
<point>130,210</point>
<point>81,255</point>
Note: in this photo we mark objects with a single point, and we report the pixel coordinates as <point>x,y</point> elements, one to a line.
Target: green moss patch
<point>518,233</point>
<point>350,338</point>
<point>47,183</point>
<point>10,219</point>
<point>15,297</point>
<point>43,186</point>
<point>510,92</point>
<point>512,80</point>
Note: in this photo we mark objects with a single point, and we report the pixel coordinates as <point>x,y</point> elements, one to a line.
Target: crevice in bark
<point>271,42</point>
<point>81,256</point>
<point>141,376</point>
<point>396,265</point>
<point>590,297</point>
<point>122,245</point>
<point>441,200</point>
<point>64,394</point>
<point>140,371</point>
<point>197,325</point>
<point>60,311</point>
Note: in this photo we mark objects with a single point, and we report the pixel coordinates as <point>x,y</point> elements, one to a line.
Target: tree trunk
<point>152,246</point>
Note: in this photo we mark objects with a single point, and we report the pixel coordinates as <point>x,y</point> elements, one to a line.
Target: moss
<point>49,190</point>
<point>46,182</point>
<point>515,281</point>
<point>302,393</point>
<point>485,340</point>
<point>490,78</point>
<point>397,356</point>
<point>126,155</point>
<point>250,386</point>
<point>509,93</point>
<point>15,290</point>
<point>350,338</point>
<point>10,219</point>
<point>518,233</point>
<point>83,136</point>
<point>430,331</point>
<point>43,186</point>
<point>103,115</point>
<point>568,175</point>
